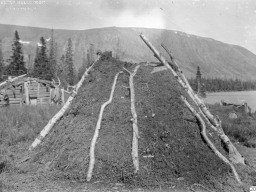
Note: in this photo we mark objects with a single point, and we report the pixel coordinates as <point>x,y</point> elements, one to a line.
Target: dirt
<point>172,154</point>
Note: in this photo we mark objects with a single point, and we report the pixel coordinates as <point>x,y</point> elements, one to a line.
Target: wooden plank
<point>44,95</point>
<point>14,99</point>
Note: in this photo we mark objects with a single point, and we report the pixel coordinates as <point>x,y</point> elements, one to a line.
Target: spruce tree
<point>42,68</point>
<point>198,80</point>
<point>52,57</point>
<point>16,62</point>
<point>82,69</point>
<point>1,62</point>
<point>200,87</point>
<point>69,63</point>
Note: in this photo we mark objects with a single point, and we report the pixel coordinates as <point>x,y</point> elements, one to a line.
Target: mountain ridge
<point>215,58</point>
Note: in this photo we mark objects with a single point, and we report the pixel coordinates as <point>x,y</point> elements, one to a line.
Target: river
<point>233,97</point>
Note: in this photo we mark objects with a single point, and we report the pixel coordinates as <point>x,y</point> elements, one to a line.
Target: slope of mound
<point>171,150</point>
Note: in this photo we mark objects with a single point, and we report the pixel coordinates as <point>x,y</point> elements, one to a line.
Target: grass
<point>21,124</point>
<point>19,127</point>
<point>242,129</point>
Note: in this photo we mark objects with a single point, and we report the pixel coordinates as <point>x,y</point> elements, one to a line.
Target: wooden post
<point>62,96</point>
<point>38,92</point>
<point>57,94</point>
<point>51,97</point>
<point>26,93</point>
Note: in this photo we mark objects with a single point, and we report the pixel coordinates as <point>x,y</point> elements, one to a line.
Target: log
<point>26,92</point>
<point>38,90</point>
<point>62,96</point>
<point>58,115</point>
<point>135,145</point>
<point>97,129</point>
<point>208,141</point>
<point>11,80</point>
<point>234,155</point>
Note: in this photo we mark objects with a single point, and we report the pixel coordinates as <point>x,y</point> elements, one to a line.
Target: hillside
<point>216,59</point>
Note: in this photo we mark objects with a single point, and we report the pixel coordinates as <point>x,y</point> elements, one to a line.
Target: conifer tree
<point>69,63</point>
<point>198,80</point>
<point>200,87</point>
<point>52,57</point>
<point>1,62</point>
<point>16,62</point>
<point>82,69</point>
<point>62,71</point>
<point>42,68</point>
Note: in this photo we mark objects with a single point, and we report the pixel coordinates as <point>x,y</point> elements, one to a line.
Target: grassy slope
<point>19,126</point>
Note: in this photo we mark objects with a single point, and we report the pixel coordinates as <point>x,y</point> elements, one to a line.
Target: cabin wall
<point>32,92</point>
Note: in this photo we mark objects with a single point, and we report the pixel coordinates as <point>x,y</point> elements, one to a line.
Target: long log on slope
<point>11,80</point>
<point>234,155</point>
<point>97,130</point>
<point>58,115</point>
<point>208,141</point>
<point>135,145</point>
<point>214,122</point>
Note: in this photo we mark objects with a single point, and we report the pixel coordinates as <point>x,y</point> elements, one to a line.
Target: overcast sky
<point>230,21</point>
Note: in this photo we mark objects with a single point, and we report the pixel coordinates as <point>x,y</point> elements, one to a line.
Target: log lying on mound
<point>215,123</point>
<point>171,151</point>
<point>97,129</point>
<point>66,149</point>
<point>135,153</point>
<point>58,115</point>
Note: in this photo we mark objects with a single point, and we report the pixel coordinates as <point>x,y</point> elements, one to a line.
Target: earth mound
<point>171,150</point>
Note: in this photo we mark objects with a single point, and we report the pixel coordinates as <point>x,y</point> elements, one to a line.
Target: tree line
<point>47,64</point>
<point>218,84</point>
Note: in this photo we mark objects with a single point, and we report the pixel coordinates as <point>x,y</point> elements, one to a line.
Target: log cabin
<point>31,91</point>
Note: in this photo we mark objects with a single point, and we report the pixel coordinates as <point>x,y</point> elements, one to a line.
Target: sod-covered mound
<point>171,150</point>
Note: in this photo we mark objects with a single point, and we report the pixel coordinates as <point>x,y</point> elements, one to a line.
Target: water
<point>238,97</point>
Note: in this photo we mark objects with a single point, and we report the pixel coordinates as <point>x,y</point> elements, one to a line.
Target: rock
<point>232,115</point>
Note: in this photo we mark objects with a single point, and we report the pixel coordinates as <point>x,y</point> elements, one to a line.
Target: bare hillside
<point>216,59</point>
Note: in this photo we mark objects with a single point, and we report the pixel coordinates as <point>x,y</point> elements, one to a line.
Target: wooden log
<point>208,141</point>
<point>58,115</point>
<point>62,96</point>
<point>26,92</point>
<point>38,90</point>
<point>135,145</point>
<point>234,155</point>
<point>97,129</point>
<point>15,101</point>
<point>51,94</point>
<point>214,122</point>
<point>11,80</point>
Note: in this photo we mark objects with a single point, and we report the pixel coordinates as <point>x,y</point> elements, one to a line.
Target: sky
<point>230,21</point>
